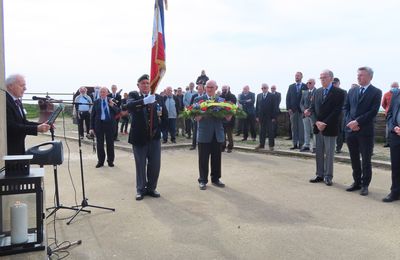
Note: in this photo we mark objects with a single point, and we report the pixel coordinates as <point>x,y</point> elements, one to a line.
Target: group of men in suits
<point>360,107</point>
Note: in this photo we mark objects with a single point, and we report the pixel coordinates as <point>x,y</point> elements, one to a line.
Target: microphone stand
<point>84,204</point>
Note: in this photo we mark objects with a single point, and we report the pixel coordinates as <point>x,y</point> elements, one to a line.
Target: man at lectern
<point>17,125</point>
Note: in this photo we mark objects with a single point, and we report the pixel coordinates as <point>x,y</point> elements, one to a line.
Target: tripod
<point>84,202</point>
<point>57,194</point>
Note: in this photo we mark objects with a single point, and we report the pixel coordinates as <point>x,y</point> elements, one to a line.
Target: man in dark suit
<point>266,114</point>
<point>116,96</point>
<point>228,125</point>
<point>247,100</point>
<point>277,97</point>
<point>210,139</point>
<point>361,106</point>
<point>200,92</point>
<point>326,105</point>
<point>293,98</point>
<point>103,126</point>
<point>17,125</point>
<point>147,112</point>
<point>393,122</point>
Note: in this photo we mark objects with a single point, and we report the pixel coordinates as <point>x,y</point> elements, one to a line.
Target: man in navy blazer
<point>210,137</point>
<point>247,99</point>
<point>17,125</point>
<point>293,98</point>
<point>103,126</point>
<point>266,114</point>
<point>361,106</point>
<point>393,121</point>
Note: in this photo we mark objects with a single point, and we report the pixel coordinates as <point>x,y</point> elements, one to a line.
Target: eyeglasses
<point>309,82</point>
<point>263,88</point>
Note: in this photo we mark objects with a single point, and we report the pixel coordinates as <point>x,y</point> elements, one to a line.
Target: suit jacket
<point>293,97</point>
<point>117,98</point>
<point>306,101</point>
<point>140,113</point>
<point>95,115</point>
<point>362,109</point>
<point>328,110</point>
<point>17,128</point>
<point>248,107</point>
<point>278,98</point>
<point>266,107</point>
<point>209,126</point>
<point>393,112</point>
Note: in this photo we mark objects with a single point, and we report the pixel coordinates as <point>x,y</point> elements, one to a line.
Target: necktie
<point>325,92</point>
<point>362,90</point>
<point>264,95</point>
<point>19,105</point>
<point>104,104</point>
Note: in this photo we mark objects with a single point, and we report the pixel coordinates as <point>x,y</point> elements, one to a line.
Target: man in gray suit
<point>210,137</point>
<point>308,121</point>
<point>327,106</point>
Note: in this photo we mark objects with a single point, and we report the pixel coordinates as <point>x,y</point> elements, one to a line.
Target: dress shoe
<point>229,151</point>
<point>164,141</point>
<point>110,164</point>
<point>116,140</point>
<point>364,191</point>
<point>338,151</point>
<point>354,187</point>
<point>238,134</point>
<point>288,138</point>
<point>258,147</point>
<point>244,139</point>
<point>294,147</point>
<point>192,148</point>
<point>391,197</point>
<point>313,150</point>
<point>317,179</point>
<point>139,196</point>
<point>174,142</point>
<point>304,149</point>
<point>386,145</point>
<point>218,183</point>
<point>202,186</point>
<point>98,165</point>
<point>153,193</point>
<point>328,181</point>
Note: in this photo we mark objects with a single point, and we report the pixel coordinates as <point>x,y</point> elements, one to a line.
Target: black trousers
<point>188,126</point>
<point>206,150</point>
<point>124,124</point>
<point>194,139</point>
<point>250,122</point>
<point>116,129</point>
<point>364,145</point>
<point>267,126</point>
<point>395,162</point>
<point>84,116</point>
<point>105,131</point>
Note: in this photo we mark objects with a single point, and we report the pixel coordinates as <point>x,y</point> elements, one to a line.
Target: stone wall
<point>380,126</point>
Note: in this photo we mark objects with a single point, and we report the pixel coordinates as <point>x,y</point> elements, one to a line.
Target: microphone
<point>40,98</point>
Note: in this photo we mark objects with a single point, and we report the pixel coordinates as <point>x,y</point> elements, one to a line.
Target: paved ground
<point>268,210</point>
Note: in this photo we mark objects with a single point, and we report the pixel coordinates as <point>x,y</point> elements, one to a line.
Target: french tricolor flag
<point>158,46</point>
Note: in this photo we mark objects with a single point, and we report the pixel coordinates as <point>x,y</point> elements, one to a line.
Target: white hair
<point>12,79</point>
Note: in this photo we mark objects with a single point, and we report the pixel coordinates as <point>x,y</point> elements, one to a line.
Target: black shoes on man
<point>355,186</point>
<point>391,197</point>
<point>218,183</point>
<point>153,193</point>
<point>326,180</point>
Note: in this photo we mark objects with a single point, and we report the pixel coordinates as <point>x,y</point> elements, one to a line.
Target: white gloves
<point>149,99</point>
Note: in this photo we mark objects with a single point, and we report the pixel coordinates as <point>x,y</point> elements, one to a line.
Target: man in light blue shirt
<point>83,106</point>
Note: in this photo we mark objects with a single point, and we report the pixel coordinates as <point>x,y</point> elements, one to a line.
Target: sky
<point>60,45</point>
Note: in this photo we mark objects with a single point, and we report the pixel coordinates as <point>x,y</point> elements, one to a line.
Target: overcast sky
<point>61,45</point>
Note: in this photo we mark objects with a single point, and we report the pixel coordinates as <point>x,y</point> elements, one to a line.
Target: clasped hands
<point>227,117</point>
<point>353,125</point>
